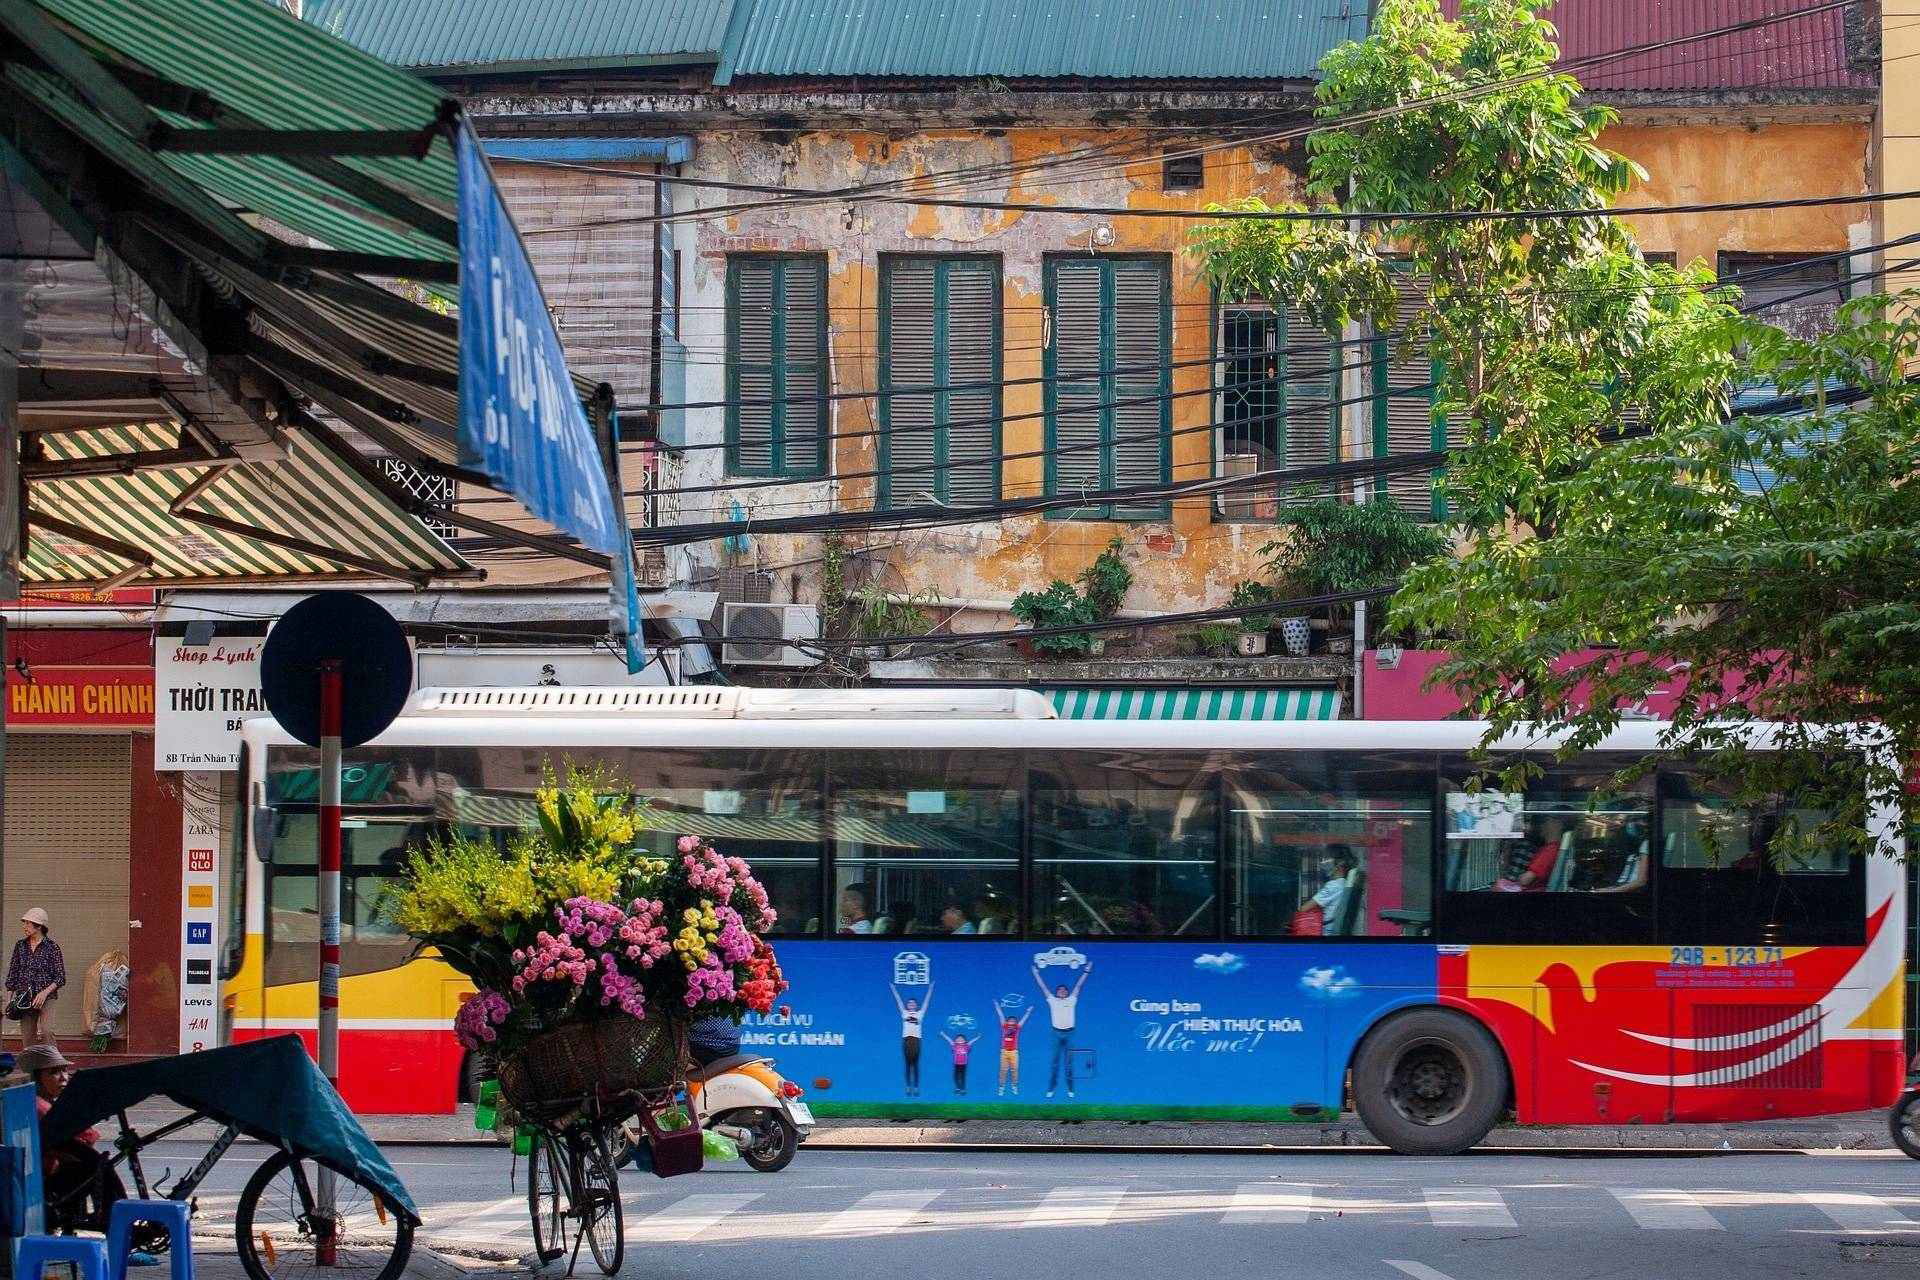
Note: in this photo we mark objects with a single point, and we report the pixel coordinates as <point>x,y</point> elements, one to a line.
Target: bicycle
<point>573,1187</point>
<point>278,1227</point>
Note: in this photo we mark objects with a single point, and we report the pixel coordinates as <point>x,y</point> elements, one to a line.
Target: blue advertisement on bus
<point>1097,1030</point>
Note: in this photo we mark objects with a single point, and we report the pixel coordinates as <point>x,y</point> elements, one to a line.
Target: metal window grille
<point>437,490</point>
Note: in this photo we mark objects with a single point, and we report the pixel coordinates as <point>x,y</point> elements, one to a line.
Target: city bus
<point>1143,919</point>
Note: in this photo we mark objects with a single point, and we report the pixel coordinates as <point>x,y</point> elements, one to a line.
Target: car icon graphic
<point>1066,957</point>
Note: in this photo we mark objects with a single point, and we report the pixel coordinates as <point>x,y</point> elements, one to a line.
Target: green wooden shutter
<point>1076,359</point>
<point>1110,341</point>
<point>1404,421</point>
<point>1141,414</point>
<point>940,328</point>
<point>1310,413</point>
<point>776,352</point>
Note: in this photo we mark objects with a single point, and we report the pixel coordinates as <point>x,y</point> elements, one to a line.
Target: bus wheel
<point>1429,1082</point>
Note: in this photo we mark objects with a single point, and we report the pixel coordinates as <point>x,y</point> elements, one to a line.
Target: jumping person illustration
<point>1061,1004</point>
<point>1010,1047</point>
<point>962,1050</point>
<point>912,1014</point>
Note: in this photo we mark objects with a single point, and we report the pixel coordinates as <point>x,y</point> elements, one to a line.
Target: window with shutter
<point>1404,421</point>
<point>777,365</point>
<point>1276,406</point>
<point>1108,349</point>
<point>939,378</point>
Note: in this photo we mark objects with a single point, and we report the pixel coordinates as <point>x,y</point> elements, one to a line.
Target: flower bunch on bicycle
<point>570,920</point>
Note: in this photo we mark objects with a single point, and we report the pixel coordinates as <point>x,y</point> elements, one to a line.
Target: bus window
<point>373,853</point>
<point>926,842</point>
<point>1567,860</point>
<point>1330,844</point>
<point>763,806</point>
<point>1722,882</point>
<point>1124,844</point>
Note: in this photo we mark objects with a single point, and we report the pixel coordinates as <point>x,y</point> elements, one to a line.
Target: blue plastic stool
<point>31,1254</point>
<point>171,1214</point>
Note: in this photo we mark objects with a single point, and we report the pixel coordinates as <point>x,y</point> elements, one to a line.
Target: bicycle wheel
<point>281,1234</point>
<point>550,1199</point>
<point>602,1218</point>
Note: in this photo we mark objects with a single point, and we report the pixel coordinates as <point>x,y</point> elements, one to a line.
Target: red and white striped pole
<point>329,1026</point>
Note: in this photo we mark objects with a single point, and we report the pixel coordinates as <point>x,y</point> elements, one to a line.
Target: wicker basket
<point>562,1067</point>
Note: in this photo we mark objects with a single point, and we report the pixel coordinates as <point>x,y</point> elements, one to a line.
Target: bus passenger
<point>853,910</point>
<point>954,919</point>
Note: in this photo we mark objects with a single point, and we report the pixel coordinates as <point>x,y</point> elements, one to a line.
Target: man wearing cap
<point>81,1185</point>
<point>35,975</point>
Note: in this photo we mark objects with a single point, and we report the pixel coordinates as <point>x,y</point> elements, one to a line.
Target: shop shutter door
<point>67,829</point>
<point>1078,390</point>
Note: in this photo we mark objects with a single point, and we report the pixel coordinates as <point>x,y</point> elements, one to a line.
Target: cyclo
<point>326,1196</point>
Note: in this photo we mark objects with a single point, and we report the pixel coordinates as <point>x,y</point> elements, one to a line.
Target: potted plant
<point>877,615</point>
<point>1214,639</point>
<point>1057,606</point>
<point>1333,547</point>
<point>1251,640</point>
<point>1105,581</point>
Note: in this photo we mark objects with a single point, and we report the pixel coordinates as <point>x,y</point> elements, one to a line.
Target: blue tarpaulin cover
<point>268,1089</point>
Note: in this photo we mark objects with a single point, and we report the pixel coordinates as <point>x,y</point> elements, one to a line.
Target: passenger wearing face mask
<point>1332,897</point>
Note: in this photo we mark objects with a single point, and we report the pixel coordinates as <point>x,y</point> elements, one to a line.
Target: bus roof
<point>710,702</point>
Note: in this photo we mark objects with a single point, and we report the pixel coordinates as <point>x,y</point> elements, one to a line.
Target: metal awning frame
<point>94,129</point>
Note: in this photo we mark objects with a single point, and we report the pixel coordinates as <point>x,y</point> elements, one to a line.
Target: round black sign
<point>376,667</point>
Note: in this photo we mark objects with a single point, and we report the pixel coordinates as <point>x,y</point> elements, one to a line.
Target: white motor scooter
<point>742,1098</point>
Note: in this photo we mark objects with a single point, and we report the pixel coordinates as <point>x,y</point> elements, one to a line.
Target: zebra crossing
<point>664,1212</point>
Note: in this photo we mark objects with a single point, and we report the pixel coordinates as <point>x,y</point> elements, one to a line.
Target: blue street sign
<point>520,421</point>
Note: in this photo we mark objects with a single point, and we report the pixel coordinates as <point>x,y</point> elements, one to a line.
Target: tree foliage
<point>1597,485</point>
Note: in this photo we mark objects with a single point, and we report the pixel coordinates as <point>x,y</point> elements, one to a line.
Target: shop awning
<point>309,514</point>
<point>1196,704</point>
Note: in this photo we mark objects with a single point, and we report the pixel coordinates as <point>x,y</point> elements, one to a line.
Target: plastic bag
<point>718,1146</point>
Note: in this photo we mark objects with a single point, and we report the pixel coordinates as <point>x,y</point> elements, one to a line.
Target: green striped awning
<point>310,515</point>
<point>1196,704</point>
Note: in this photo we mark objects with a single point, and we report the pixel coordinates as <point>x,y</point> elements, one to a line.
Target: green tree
<point>1759,566</point>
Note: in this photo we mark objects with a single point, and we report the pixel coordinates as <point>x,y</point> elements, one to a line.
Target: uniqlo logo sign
<point>200,860</point>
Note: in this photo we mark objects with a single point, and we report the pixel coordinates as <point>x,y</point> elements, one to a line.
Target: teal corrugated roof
<point>1039,39</point>
<point>446,34</point>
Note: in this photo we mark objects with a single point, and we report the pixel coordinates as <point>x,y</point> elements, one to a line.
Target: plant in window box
<point>1057,606</point>
<point>1251,640</point>
<point>1333,546</point>
<point>1214,639</point>
<point>1106,580</point>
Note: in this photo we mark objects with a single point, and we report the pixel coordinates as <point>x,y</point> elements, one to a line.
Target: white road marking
<point>1076,1207</point>
<point>692,1217</point>
<point>1467,1207</point>
<point>1418,1270</point>
<point>1856,1212</point>
<point>877,1213</point>
<point>1271,1202</point>
<point>1665,1210</point>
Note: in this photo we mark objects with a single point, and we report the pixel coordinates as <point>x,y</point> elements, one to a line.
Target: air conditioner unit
<point>757,634</point>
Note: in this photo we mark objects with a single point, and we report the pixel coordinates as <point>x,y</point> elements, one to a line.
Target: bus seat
<point>1562,874</point>
<point>1350,914</point>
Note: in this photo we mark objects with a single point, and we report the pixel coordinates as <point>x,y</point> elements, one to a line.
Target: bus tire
<point>1430,1082</point>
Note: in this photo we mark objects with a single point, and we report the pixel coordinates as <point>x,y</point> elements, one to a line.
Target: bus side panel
<point>1154,1029</point>
<point>385,1071</point>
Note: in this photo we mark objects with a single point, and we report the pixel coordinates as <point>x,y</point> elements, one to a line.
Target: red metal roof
<point>1794,54</point>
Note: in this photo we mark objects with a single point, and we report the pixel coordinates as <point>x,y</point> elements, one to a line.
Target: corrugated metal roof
<point>1039,39</point>
<point>1806,52</point>
<point>436,34</point>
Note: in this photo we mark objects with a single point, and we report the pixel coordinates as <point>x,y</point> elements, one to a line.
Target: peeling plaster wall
<point>1190,561</point>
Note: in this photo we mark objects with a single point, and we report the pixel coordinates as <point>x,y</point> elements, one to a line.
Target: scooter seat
<point>720,1066</point>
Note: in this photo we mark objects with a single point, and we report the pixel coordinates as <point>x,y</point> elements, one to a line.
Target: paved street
<point>1355,1216</point>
